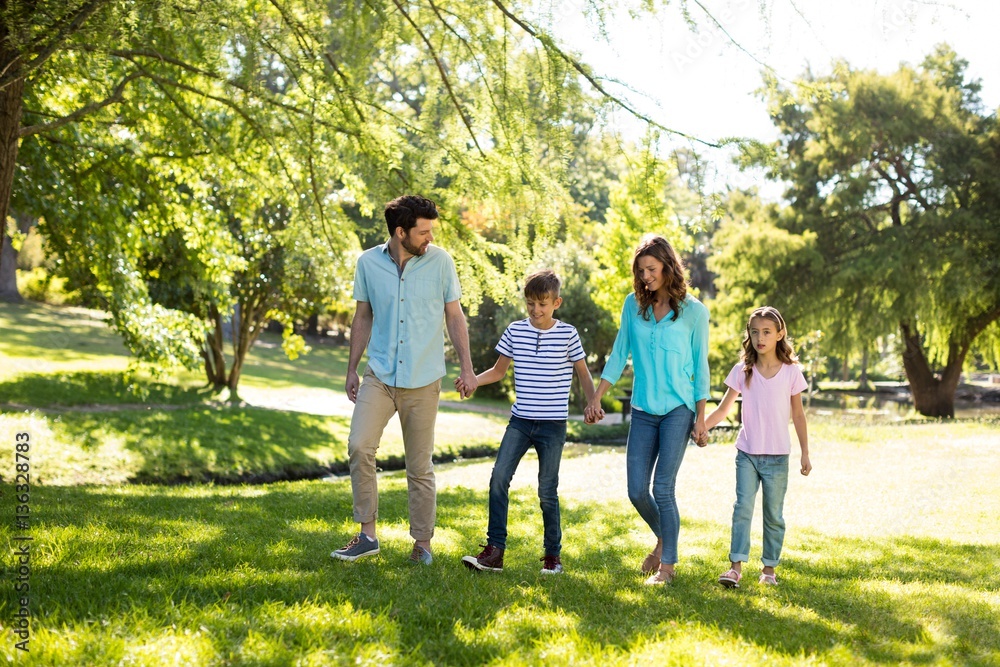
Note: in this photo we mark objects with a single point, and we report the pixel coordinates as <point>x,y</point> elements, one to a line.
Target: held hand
<point>806,465</point>
<point>351,386</point>
<point>459,386</point>
<point>700,433</point>
<point>593,413</point>
<point>469,383</point>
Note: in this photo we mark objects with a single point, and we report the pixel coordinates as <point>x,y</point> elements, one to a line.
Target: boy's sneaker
<point>551,565</point>
<point>359,547</point>
<point>421,556</point>
<point>490,559</point>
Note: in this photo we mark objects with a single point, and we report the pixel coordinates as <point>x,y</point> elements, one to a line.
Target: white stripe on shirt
<point>543,367</point>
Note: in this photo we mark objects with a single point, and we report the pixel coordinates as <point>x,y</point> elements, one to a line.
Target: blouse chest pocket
<point>674,343</point>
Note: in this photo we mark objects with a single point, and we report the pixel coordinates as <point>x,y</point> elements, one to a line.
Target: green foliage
<point>892,218</point>
<point>206,121</point>
<point>38,284</point>
<point>649,198</point>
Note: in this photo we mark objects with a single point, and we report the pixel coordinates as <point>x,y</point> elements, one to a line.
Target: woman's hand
<point>700,432</point>
<point>593,413</point>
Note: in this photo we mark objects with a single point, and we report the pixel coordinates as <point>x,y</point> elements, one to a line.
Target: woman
<point>665,330</point>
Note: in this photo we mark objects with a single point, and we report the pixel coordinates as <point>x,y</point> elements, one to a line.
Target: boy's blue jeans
<point>769,471</point>
<point>547,437</point>
<point>655,449</point>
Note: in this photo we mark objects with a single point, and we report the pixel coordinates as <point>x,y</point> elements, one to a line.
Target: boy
<point>545,351</point>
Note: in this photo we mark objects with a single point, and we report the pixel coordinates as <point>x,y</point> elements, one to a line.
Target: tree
<point>892,222</point>
<point>648,198</point>
<point>144,109</point>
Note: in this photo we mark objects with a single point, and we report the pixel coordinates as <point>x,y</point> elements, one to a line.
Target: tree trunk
<point>8,271</point>
<point>312,325</point>
<point>863,383</point>
<point>932,396</point>
<point>11,104</point>
<point>214,354</point>
<point>245,324</point>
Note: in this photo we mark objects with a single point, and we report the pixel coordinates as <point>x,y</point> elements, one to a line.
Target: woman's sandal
<point>650,564</point>
<point>768,580</point>
<point>730,578</point>
<point>660,579</point>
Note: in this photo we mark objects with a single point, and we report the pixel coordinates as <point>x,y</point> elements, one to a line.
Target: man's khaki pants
<point>417,410</point>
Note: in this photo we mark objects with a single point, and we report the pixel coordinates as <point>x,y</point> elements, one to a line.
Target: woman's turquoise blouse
<point>669,358</point>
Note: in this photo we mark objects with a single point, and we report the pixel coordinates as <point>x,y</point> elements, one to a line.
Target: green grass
<point>98,388</point>
<point>47,351</point>
<point>221,444</point>
<point>206,575</point>
<point>890,557</point>
<point>40,339</point>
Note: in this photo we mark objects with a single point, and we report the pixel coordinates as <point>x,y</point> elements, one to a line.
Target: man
<point>406,289</point>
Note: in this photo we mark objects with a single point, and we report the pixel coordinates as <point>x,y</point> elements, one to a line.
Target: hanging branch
<point>115,97</point>
<point>444,75</point>
<point>551,46</point>
<point>13,70</point>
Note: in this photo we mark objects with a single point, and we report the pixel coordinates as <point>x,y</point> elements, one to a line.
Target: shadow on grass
<point>54,333</point>
<point>222,559</point>
<point>96,388</point>
<point>214,444</point>
<point>228,445</point>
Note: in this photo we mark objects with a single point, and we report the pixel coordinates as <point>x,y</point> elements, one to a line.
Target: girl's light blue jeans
<point>752,472</point>
<point>655,449</point>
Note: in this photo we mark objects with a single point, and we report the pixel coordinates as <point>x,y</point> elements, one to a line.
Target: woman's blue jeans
<point>655,449</point>
<point>548,438</point>
<point>769,471</point>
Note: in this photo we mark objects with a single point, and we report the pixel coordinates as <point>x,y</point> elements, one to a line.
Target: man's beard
<point>412,249</point>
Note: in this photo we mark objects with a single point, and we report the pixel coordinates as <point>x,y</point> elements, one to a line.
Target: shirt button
<point>401,321</point>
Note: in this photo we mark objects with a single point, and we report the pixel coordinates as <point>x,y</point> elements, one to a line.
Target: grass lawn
<point>890,554</point>
<point>219,444</point>
<point>55,355</point>
<point>888,561</point>
<point>98,430</point>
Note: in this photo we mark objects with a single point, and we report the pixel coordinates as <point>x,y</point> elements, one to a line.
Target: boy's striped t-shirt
<point>543,367</point>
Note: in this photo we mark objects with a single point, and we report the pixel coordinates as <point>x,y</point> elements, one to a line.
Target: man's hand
<point>466,383</point>
<point>351,386</point>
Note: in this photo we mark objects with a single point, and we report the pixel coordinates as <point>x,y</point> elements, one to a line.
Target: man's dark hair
<point>404,211</point>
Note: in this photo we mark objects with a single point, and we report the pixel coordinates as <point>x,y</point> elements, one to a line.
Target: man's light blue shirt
<point>406,348</point>
<point>669,358</point>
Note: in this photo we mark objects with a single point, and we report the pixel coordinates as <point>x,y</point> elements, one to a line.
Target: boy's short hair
<point>542,284</point>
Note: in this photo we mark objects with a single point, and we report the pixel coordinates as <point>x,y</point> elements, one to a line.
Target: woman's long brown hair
<point>659,249</point>
<point>783,349</point>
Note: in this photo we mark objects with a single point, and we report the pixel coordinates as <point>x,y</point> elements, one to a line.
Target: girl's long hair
<point>659,249</point>
<point>783,349</point>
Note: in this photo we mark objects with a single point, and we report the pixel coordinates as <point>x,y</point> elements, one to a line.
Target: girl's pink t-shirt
<point>766,408</point>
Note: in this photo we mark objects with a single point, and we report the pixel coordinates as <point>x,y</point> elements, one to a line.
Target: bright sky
<point>699,82</point>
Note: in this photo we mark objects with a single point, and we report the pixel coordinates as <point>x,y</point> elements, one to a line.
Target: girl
<point>665,330</point>
<point>772,383</point>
